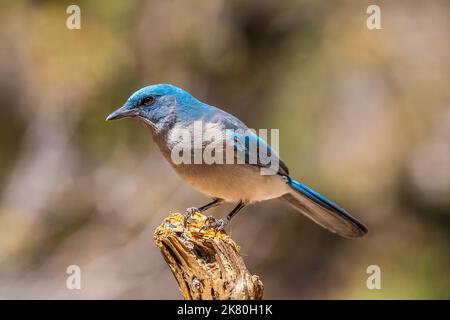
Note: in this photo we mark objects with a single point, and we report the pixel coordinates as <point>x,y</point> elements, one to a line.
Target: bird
<point>167,110</point>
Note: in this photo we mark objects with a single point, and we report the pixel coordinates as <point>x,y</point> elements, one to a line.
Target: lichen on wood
<point>207,265</point>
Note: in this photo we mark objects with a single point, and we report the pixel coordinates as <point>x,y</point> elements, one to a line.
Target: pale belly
<point>233,183</point>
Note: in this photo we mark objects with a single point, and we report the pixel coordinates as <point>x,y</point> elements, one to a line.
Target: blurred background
<point>364,118</point>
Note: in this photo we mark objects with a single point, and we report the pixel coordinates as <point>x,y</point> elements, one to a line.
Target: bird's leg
<point>190,211</point>
<point>219,224</point>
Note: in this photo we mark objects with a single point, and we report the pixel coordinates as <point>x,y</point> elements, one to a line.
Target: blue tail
<point>324,212</point>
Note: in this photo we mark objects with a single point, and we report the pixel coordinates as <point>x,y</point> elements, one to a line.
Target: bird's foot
<point>216,224</point>
<point>188,214</point>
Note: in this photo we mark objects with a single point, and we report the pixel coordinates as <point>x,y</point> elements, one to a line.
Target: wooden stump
<point>206,265</point>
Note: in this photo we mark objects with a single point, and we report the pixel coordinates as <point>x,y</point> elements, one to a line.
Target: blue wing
<point>246,142</point>
<point>255,151</point>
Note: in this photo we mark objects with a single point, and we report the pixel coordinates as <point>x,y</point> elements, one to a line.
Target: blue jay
<point>166,109</point>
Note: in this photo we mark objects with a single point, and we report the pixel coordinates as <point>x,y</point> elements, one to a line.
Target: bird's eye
<point>148,101</point>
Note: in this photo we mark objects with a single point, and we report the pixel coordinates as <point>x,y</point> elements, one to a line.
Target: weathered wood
<point>206,265</point>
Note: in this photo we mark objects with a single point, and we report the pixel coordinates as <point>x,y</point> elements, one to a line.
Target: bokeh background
<point>364,118</point>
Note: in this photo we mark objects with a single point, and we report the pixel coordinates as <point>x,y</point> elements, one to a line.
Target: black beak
<point>122,112</point>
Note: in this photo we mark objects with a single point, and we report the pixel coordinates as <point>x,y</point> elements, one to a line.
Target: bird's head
<point>151,103</point>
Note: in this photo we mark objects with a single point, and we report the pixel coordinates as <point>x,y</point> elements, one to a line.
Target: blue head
<point>152,103</point>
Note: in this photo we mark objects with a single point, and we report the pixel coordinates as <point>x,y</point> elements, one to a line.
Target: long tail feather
<point>322,211</point>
